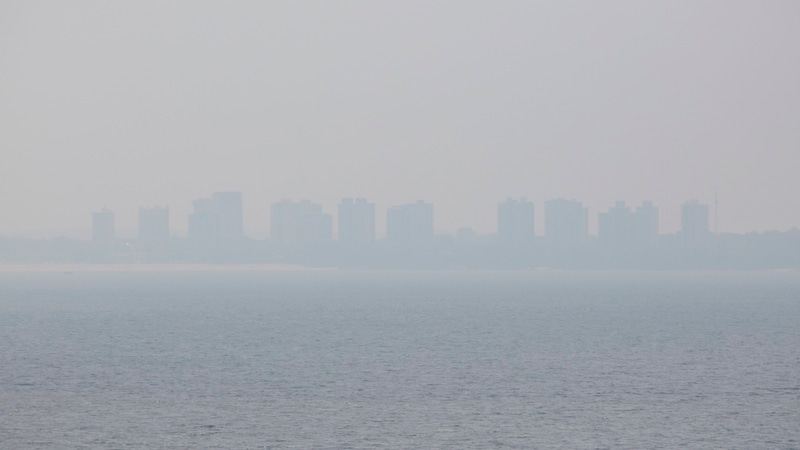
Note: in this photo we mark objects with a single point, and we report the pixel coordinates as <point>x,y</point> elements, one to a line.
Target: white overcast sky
<point>461,103</point>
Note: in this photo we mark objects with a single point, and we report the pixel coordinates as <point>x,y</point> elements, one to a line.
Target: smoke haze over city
<point>400,224</point>
<point>462,104</point>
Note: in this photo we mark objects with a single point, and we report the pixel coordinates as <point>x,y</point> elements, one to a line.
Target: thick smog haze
<point>462,104</point>
<point>399,224</point>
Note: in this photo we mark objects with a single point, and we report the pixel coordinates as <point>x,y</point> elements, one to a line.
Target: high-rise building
<point>622,228</point>
<point>217,219</point>
<point>154,224</point>
<point>615,227</point>
<point>566,223</point>
<point>515,222</point>
<point>203,222</point>
<point>231,217</point>
<point>301,222</point>
<point>356,221</point>
<point>694,223</point>
<point>410,224</point>
<point>645,224</point>
<point>103,226</point>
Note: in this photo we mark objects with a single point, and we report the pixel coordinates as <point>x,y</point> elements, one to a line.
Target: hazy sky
<point>129,104</point>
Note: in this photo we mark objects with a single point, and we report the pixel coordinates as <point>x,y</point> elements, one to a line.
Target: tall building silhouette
<point>356,221</point>
<point>645,224</point>
<point>615,228</point>
<point>103,226</point>
<point>515,222</point>
<point>217,219</point>
<point>410,224</point>
<point>301,222</point>
<point>203,221</point>
<point>694,223</point>
<point>566,223</point>
<point>621,227</point>
<point>231,216</point>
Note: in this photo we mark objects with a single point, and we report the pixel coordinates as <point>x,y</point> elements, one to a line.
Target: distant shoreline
<point>74,268</point>
<point>70,268</point>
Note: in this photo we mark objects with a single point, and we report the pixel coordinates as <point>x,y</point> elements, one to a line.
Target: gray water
<point>399,360</point>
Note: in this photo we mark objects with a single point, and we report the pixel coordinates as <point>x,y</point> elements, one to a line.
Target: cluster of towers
<point>219,218</point>
<point>305,222</point>
<point>566,223</point>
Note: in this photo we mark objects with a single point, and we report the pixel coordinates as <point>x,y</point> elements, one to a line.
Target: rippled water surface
<point>399,360</point>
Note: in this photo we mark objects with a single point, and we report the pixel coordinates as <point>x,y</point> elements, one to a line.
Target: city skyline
<point>257,222</point>
<point>592,223</point>
<point>113,104</point>
<point>400,224</point>
<point>304,221</point>
<point>241,226</point>
<point>303,234</point>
